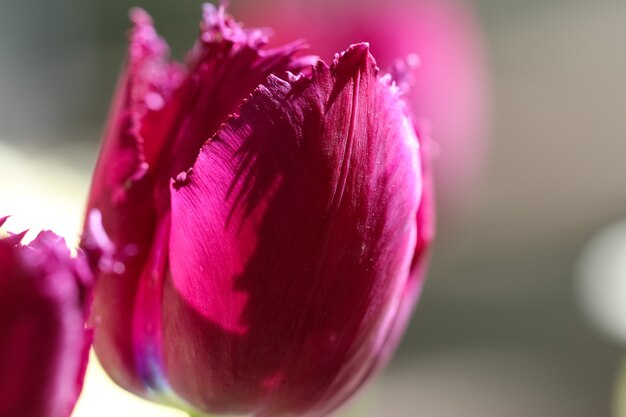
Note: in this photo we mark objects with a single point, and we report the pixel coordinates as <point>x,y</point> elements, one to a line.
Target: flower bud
<point>271,220</point>
<point>44,297</point>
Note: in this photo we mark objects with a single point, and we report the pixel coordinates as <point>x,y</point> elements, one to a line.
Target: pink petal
<point>161,110</point>
<point>44,299</point>
<point>225,66</point>
<point>122,189</point>
<point>291,244</point>
<point>421,258</point>
<point>451,86</point>
<point>15,238</point>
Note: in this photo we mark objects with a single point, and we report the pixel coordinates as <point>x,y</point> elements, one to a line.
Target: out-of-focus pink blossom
<point>44,345</point>
<point>262,223</point>
<point>450,88</point>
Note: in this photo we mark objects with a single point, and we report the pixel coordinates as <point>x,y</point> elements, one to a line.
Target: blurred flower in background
<point>450,87</point>
<point>44,301</point>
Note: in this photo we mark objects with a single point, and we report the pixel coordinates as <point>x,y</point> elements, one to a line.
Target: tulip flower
<point>450,86</point>
<point>44,296</point>
<point>265,222</point>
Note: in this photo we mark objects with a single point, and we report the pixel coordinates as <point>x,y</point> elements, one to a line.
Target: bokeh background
<point>523,312</point>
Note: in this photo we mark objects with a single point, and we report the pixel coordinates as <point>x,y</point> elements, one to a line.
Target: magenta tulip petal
<point>451,85</point>
<point>259,237</point>
<point>419,264</point>
<point>226,65</point>
<point>162,109</point>
<point>291,244</point>
<point>122,167</point>
<point>15,238</point>
<point>122,188</point>
<point>44,299</point>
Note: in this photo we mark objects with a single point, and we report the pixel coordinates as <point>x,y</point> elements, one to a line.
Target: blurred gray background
<point>499,331</point>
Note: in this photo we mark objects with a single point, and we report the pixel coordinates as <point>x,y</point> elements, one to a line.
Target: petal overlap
<point>259,223</point>
<point>162,108</point>
<point>309,197</point>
